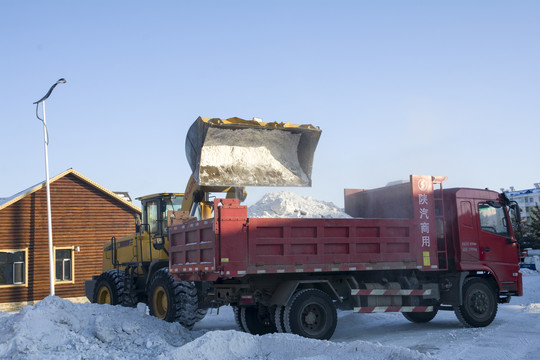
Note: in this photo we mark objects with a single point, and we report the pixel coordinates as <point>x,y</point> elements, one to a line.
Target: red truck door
<point>497,249</point>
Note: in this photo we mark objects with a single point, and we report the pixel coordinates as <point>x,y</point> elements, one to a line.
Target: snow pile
<point>232,345</point>
<point>59,329</point>
<point>532,308</point>
<point>248,162</point>
<point>290,205</point>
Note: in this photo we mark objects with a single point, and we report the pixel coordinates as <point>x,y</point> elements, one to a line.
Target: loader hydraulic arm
<point>196,201</point>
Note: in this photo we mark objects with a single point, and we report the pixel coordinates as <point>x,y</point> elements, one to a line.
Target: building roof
<point>522,192</point>
<point>5,202</point>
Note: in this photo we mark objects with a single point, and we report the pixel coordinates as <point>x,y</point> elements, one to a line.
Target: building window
<point>13,267</point>
<point>64,264</point>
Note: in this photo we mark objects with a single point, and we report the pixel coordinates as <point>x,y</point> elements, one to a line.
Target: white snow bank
<point>232,345</point>
<point>59,329</point>
<point>287,204</point>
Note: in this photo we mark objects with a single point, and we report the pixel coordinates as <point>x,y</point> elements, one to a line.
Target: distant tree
<point>531,230</point>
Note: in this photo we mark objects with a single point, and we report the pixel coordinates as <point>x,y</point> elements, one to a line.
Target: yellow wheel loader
<point>225,156</point>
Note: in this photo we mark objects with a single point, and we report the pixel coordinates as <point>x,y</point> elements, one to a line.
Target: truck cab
<point>482,235</point>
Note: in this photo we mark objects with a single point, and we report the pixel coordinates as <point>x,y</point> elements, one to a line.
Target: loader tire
<point>311,313</point>
<point>257,320</point>
<point>174,301</point>
<point>479,303</point>
<point>109,288</point>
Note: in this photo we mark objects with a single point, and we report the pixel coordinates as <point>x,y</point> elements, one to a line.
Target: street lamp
<point>46,140</point>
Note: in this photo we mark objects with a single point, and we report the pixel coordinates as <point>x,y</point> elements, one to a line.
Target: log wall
<point>82,216</point>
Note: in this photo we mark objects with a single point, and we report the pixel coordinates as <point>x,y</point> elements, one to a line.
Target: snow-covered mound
<point>233,345</point>
<point>287,204</point>
<point>56,328</point>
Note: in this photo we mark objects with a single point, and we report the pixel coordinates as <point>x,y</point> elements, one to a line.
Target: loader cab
<point>154,211</point>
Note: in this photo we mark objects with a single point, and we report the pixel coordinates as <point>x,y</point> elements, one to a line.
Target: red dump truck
<point>411,248</point>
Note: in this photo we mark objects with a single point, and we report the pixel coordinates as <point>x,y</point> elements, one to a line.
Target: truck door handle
<point>486,249</point>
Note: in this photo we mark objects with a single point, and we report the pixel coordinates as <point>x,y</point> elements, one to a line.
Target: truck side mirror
<point>517,218</point>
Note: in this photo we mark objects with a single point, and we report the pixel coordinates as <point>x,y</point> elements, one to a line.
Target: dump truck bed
<point>233,245</point>
<point>203,251</point>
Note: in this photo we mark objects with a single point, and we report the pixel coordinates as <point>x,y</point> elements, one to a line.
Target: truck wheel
<point>279,318</point>
<point>311,313</point>
<point>173,301</point>
<point>237,319</point>
<point>109,288</point>
<point>479,303</point>
<point>257,320</point>
<point>420,317</point>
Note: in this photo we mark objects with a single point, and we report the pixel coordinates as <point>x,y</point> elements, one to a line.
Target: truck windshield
<point>493,220</point>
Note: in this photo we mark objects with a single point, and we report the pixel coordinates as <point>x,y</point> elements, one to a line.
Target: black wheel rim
<point>313,318</point>
<point>479,303</point>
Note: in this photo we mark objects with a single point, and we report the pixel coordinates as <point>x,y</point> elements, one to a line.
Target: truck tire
<point>173,301</point>
<point>109,288</point>
<point>279,318</point>
<point>311,313</point>
<point>257,320</point>
<point>237,319</point>
<point>420,317</point>
<point>479,303</point>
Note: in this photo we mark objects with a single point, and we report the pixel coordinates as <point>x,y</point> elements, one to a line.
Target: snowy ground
<point>58,329</point>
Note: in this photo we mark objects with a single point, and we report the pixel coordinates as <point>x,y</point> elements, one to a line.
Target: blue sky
<point>398,87</point>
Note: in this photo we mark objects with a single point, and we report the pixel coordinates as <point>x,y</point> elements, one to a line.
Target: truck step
<point>389,292</point>
<point>382,309</point>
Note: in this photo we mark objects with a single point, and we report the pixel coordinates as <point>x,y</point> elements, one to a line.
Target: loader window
<point>492,220</point>
<point>152,216</point>
<point>173,204</point>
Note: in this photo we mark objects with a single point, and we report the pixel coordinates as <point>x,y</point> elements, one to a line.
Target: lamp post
<point>46,140</point>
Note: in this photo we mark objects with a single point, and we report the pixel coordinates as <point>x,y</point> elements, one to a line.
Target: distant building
<point>84,216</point>
<point>526,199</point>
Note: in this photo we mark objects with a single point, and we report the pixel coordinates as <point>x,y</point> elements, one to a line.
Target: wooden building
<point>84,216</point>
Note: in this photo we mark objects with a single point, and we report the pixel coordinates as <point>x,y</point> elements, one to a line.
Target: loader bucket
<point>237,152</point>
